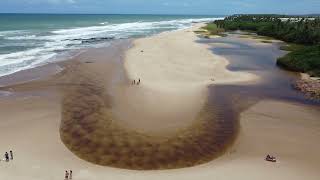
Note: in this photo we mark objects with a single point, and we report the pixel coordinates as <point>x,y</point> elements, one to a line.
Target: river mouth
<point>251,55</point>
<point>90,129</point>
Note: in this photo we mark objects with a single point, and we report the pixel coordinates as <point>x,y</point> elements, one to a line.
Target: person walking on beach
<point>6,155</point>
<point>11,155</point>
<point>66,176</point>
<point>70,176</point>
<point>139,81</point>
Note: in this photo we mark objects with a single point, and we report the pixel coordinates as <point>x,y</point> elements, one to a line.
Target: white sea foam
<point>6,33</point>
<point>103,23</point>
<point>48,46</point>
<point>24,37</point>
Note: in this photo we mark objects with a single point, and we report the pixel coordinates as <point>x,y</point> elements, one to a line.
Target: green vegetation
<point>304,59</point>
<point>263,37</point>
<point>200,31</point>
<point>298,30</point>
<point>302,32</point>
<point>292,47</point>
<point>210,29</point>
<point>213,29</point>
<point>265,41</point>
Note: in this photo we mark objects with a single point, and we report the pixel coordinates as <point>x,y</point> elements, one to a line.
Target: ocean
<point>31,40</point>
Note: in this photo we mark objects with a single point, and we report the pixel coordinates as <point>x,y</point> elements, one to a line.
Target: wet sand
<point>86,86</point>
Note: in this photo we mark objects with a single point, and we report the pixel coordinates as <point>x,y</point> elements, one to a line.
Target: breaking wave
<point>46,45</point>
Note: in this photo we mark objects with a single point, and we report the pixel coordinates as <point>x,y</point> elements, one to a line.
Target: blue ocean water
<point>30,40</point>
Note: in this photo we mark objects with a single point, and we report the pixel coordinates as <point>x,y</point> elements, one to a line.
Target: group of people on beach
<point>8,157</point>
<point>136,82</point>
<point>68,175</point>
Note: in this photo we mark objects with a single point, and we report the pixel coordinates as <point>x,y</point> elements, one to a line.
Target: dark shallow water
<point>274,83</point>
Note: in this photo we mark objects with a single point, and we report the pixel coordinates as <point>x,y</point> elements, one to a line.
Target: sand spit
<point>92,132</point>
<point>162,123</point>
<point>172,60</point>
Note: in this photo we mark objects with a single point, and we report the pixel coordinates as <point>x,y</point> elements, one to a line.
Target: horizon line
<point>116,14</point>
<point>169,14</point>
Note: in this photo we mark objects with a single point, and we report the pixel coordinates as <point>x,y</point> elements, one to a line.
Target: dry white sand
<point>291,132</point>
<point>174,71</point>
<point>173,60</point>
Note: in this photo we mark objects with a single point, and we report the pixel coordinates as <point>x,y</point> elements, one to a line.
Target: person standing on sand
<point>70,176</point>
<point>139,81</point>
<point>6,155</point>
<point>66,176</point>
<point>11,155</point>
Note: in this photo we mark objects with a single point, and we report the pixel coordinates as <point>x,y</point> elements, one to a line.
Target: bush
<point>213,29</point>
<point>306,59</point>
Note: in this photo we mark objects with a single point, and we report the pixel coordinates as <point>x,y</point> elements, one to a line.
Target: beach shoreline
<point>40,153</point>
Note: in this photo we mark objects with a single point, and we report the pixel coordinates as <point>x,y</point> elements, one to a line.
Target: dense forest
<point>303,30</point>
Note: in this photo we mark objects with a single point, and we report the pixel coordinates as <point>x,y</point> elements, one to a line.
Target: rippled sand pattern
<point>89,130</point>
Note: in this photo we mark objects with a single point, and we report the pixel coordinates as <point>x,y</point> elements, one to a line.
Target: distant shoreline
<point>200,15</point>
